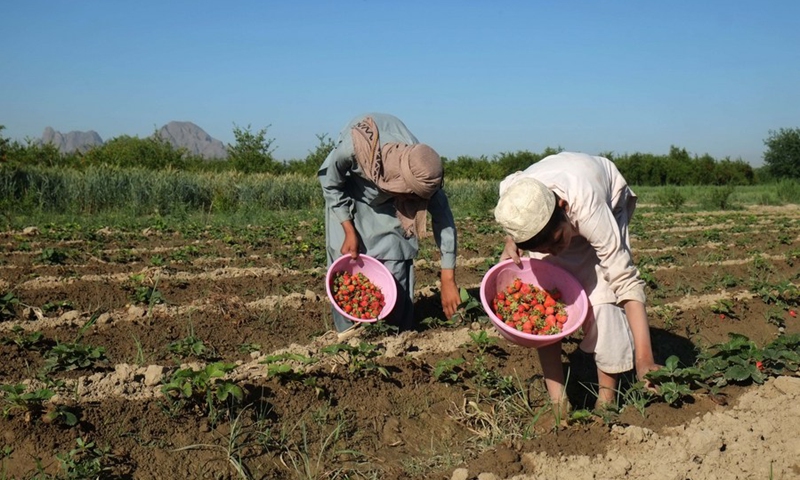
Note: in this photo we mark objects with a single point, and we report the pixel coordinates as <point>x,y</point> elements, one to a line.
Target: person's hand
<point>643,369</point>
<point>511,251</point>
<point>450,297</point>
<point>350,244</point>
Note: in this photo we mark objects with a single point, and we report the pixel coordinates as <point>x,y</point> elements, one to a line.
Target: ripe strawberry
<point>357,296</point>
<point>792,313</point>
<point>530,309</point>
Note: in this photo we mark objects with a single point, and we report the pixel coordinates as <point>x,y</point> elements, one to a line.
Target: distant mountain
<point>193,138</point>
<point>72,141</point>
<point>179,134</point>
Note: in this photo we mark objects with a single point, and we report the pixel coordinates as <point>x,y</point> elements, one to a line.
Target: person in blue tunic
<point>379,182</point>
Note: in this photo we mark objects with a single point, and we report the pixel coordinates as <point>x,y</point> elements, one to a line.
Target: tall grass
<point>140,191</point>
<point>133,191</point>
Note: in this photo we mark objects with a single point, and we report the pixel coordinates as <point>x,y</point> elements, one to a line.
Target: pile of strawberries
<point>530,309</point>
<point>357,296</point>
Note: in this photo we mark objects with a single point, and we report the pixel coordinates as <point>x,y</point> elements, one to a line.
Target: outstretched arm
<point>450,297</point>
<point>637,319</point>
<point>350,244</point>
<point>444,233</point>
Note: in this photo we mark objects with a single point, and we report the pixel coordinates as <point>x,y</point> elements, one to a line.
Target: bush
<point>671,197</point>
<point>718,198</point>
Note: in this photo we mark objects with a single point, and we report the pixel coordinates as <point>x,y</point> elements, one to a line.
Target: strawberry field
<point>198,350</point>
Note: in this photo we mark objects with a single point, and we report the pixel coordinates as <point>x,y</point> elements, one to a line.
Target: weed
<point>310,465</point>
<point>234,447</point>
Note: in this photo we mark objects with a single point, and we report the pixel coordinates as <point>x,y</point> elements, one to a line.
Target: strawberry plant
<point>724,308</point>
<point>23,340</point>
<point>673,382</point>
<point>280,365</point>
<point>530,309</point>
<point>57,307</point>
<point>85,461</point>
<point>447,370</point>
<point>17,398</point>
<point>357,296</point>
<point>203,389</point>
<point>73,356</point>
<point>469,310</point>
<point>733,361</point>
<point>781,356</point>
<point>7,303</point>
<point>191,346</point>
<point>359,359</point>
<point>378,330</point>
<point>53,256</point>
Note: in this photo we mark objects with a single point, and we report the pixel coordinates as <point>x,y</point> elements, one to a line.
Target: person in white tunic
<point>573,209</point>
<point>379,183</point>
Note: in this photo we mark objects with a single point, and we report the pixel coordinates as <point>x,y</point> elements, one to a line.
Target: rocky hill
<point>71,141</point>
<point>178,134</point>
<point>193,138</point>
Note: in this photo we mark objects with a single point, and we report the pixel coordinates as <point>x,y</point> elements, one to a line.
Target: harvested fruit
<point>530,309</point>
<point>357,296</point>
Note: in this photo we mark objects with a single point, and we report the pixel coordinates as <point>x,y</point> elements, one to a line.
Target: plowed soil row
<point>252,299</point>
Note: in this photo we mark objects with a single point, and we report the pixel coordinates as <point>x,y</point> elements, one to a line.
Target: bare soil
<point>248,295</point>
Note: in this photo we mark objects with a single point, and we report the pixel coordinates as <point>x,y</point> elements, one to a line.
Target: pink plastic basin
<point>375,271</point>
<point>544,275</point>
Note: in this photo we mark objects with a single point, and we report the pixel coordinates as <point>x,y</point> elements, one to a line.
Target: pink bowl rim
<point>385,311</point>
<point>529,337</point>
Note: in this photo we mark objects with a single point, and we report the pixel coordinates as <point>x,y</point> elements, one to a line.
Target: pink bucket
<point>375,271</point>
<point>544,275</point>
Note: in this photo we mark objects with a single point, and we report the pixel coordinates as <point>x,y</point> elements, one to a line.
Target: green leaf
<point>464,294</point>
<point>738,373</point>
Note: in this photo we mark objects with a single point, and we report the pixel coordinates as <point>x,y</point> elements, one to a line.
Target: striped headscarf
<point>400,169</point>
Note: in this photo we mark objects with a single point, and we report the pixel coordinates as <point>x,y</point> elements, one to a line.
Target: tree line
<point>252,152</point>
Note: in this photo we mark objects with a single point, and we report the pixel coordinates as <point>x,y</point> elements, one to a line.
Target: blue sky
<point>467,77</point>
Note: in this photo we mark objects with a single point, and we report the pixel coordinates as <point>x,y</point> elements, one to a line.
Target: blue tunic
<point>349,195</point>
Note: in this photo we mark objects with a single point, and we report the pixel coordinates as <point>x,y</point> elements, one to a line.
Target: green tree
<point>3,144</point>
<point>313,160</point>
<point>252,152</point>
<point>783,153</point>
<point>125,151</point>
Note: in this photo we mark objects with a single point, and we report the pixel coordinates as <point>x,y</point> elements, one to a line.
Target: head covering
<point>400,169</point>
<point>524,208</point>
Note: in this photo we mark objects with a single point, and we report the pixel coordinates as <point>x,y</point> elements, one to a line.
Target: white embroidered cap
<point>524,208</point>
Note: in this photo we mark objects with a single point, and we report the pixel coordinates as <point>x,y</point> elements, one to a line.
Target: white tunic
<point>600,207</point>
